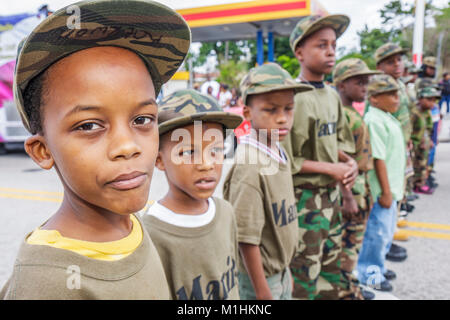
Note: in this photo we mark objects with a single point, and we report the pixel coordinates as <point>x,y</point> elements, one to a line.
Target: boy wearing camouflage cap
<point>421,137</point>
<point>386,181</point>
<point>194,233</point>
<point>351,78</point>
<point>317,147</point>
<point>87,94</point>
<point>259,185</point>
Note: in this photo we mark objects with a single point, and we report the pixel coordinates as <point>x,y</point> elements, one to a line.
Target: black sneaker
<point>367,295</point>
<point>396,254</point>
<point>412,197</point>
<point>385,286</point>
<point>390,275</point>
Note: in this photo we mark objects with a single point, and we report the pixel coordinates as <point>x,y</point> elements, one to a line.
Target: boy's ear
<point>159,163</point>
<point>299,53</point>
<point>373,100</point>
<point>37,149</point>
<point>247,113</point>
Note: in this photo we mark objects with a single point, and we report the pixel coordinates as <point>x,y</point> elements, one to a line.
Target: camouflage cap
<point>269,77</point>
<point>310,24</point>
<point>351,68</point>
<point>428,92</point>
<point>426,82</point>
<point>184,107</point>
<point>430,62</point>
<point>156,33</point>
<point>387,50</point>
<point>381,83</point>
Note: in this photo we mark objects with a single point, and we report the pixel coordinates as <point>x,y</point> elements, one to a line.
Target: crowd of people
<point>310,205</point>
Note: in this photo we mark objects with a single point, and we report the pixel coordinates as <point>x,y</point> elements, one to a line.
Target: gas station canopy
<point>242,20</point>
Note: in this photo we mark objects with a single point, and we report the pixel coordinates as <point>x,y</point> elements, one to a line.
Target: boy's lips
<point>206,183</point>
<point>283,132</point>
<point>128,181</point>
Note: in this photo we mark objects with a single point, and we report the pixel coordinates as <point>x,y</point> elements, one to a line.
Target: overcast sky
<point>360,11</point>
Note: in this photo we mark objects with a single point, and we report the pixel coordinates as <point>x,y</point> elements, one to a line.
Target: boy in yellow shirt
<point>87,95</point>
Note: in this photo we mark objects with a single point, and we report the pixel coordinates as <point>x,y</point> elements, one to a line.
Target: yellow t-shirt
<point>107,251</point>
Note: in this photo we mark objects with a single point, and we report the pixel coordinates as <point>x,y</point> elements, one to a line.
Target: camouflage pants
<point>420,167</point>
<point>316,266</point>
<point>353,229</point>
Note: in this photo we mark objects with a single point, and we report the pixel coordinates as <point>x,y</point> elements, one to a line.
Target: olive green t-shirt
<point>200,261</point>
<point>42,272</point>
<point>262,196</point>
<point>320,129</point>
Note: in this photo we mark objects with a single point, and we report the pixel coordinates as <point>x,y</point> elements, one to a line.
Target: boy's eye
<point>88,126</point>
<point>142,120</point>
<point>186,153</point>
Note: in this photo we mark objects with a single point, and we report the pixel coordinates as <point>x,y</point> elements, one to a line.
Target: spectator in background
<point>224,96</point>
<point>445,87</point>
<point>210,83</point>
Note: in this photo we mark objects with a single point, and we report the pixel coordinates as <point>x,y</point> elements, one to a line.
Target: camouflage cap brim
<point>227,119</point>
<point>355,74</point>
<point>390,54</point>
<point>338,22</point>
<point>156,33</point>
<point>298,88</point>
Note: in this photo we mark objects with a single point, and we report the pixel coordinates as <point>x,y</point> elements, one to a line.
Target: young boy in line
<point>389,59</point>
<point>351,78</point>
<point>195,234</point>
<point>386,181</point>
<point>259,186</point>
<point>87,95</point>
<point>317,147</point>
<point>421,137</point>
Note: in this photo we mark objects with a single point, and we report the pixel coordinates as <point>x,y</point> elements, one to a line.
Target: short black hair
<point>33,99</point>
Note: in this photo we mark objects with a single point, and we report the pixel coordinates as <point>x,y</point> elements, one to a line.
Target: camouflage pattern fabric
<point>361,137</point>
<point>387,50</point>
<point>354,226</point>
<point>183,107</point>
<point>316,266</point>
<point>403,114</point>
<point>381,83</point>
<point>350,68</point>
<point>422,124</point>
<point>428,92</point>
<point>430,62</point>
<point>424,83</point>
<point>269,77</point>
<point>310,24</point>
<point>156,33</point>
<point>353,229</point>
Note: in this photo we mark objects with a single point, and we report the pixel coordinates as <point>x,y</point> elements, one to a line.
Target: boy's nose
<point>123,145</point>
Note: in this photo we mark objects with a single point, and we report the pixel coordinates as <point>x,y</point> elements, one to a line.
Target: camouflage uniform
<point>159,36</point>
<point>317,134</point>
<point>421,137</point>
<point>354,225</point>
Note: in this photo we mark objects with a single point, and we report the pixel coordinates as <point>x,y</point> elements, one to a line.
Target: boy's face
<point>392,66</point>
<point>427,103</point>
<point>388,101</point>
<point>430,71</point>
<point>193,164</point>
<point>354,88</point>
<point>100,129</point>
<point>272,111</point>
<point>317,52</point>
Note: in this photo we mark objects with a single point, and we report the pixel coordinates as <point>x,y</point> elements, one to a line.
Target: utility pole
<point>419,27</point>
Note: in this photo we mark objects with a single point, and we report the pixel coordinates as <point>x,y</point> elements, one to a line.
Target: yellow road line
<point>35,198</point>
<point>31,191</point>
<point>425,234</point>
<point>426,225</point>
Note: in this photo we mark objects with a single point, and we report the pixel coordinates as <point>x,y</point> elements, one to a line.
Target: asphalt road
<point>29,196</point>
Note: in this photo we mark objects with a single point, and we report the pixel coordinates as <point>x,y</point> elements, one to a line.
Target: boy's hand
<point>352,174</point>
<point>385,200</point>
<point>264,295</point>
<point>349,207</point>
<point>340,171</point>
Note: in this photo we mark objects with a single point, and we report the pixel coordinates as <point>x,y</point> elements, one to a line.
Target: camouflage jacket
<point>422,126</point>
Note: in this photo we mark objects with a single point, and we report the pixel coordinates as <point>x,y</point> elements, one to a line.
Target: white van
<point>12,132</point>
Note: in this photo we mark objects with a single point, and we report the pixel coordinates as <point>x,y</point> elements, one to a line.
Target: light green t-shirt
<point>386,138</point>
